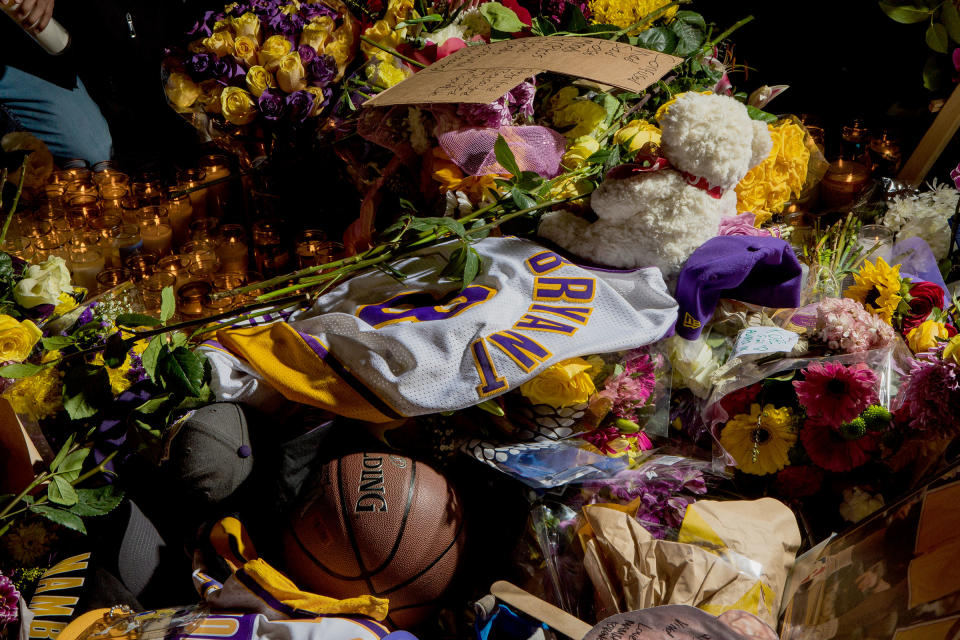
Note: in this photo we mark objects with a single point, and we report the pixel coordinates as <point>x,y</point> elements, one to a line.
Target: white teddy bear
<point>659,218</point>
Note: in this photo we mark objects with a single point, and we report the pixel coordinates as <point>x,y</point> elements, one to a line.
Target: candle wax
<point>180,215</point>
<point>233,256</point>
<point>157,238</point>
<point>85,273</point>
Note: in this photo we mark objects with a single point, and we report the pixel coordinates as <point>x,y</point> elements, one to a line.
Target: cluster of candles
<point>111,228</point>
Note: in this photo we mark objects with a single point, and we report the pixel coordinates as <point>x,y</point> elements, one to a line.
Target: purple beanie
<point>758,270</point>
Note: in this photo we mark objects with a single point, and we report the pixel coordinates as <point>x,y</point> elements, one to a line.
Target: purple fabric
<point>918,263</point>
<point>535,148</point>
<point>756,270</point>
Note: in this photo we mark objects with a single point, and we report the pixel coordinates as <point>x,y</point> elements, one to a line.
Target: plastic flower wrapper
<point>656,493</point>
<point>925,216</point>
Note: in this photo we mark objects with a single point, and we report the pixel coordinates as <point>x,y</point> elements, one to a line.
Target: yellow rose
<point>181,90</point>
<point>291,76</point>
<point>386,74</point>
<point>17,339</point>
<point>924,337</point>
<point>222,25</point>
<point>581,149</point>
<point>220,43</point>
<point>272,51</point>
<point>570,187</point>
<point>637,133</point>
<point>258,79</point>
<point>317,33</point>
<point>238,106</point>
<point>247,25</point>
<point>245,50</point>
<point>952,350</point>
<point>318,99</point>
<point>339,51</point>
<point>384,35</point>
<point>561,99</point>
<point>584,116</point>
<point>564,384</point>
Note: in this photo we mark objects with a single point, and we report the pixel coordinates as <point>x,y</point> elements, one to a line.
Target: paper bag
<point>731,555</point>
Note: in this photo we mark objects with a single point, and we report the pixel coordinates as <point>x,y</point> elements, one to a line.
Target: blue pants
<point>68,121</point>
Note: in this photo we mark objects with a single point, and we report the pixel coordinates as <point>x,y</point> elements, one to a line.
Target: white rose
<point>43,283</point>
<point>693,364</point>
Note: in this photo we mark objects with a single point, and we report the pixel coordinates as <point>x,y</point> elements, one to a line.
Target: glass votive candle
<point>54,191</point>
<point>180,211</point>
<point>269,252</point>
<point>191,179</point>
<point>203,268</point>
<point>311,253</point>
<point>45,240</point>
<point>877,240</point>
<point>151,288</point>
<point>252,277</point>
<point>148,188</point>
<point>19,247</point>
<point>141,263</point>
<point>77,174</point>
<point>113,191</point>
<point>130,209</point>
<point>203,228</point>
<point>231,248</point>
<point>80,188</point>
<point>108,226</point>
<point>155,229</point>
<point>842,183</point>
<point>215,167</point>
<point>176,266</point>
<point>191,297</point>
<point>112,277</point>
<point>128,240</point>
<point>82,209</point>
<point>198,250</point>
<point>307,245</point>
<point>86,261</point>
<point>110,177</point>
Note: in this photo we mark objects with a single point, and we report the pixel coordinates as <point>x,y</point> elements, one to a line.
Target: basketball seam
<point>349,526</point>
<point>316,561</point>
<point>420,573</point>
<point>403,522</point>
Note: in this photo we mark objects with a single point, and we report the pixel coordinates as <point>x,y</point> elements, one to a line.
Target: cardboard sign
<point>483,73</point>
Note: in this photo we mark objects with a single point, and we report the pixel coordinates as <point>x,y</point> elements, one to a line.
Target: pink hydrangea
<point>844,325</point>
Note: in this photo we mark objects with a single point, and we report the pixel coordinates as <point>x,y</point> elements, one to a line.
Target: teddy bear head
<point>712,136</point>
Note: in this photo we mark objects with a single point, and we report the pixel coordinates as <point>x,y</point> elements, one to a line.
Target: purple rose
<point>200,64</point>
<point>322,70</point>
<point>299,105</point>
<point>286,25</point>
<point>228,72</point>
<point>307,54</point>
<point>204,26</point>
<point>271,103</point>
<point>315,10</point>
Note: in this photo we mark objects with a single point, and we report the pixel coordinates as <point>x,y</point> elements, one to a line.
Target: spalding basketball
<point>378,524</point>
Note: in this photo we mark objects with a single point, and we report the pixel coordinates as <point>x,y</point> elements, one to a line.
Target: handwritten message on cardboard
<point>483,73</point>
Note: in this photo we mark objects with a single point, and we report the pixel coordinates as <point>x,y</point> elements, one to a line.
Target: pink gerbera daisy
<point>831,449</point>
<point>836,393</point>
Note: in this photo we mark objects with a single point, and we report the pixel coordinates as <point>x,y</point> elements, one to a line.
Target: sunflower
<point>877,287</point>
<point>760,441</point>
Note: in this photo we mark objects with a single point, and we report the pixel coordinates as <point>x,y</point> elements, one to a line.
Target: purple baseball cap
<point>758,270</point>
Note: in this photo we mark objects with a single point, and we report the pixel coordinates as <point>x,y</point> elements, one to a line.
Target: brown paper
<point>480,74</point>
<point>745,562</point>
<point>18,453</point>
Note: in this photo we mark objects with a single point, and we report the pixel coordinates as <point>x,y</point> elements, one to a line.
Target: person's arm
<point>34,15</point>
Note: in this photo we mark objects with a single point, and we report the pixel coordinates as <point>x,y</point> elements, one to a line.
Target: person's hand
<point>34,15</point>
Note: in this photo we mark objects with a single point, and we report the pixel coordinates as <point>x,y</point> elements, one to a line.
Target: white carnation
<point>926,216</point>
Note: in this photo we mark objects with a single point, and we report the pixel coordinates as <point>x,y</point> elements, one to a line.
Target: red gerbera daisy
<point>799,481</point>
<point>836,393</point>
<point>828,448</point>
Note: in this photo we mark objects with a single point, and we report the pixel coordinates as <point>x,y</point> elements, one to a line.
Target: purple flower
<point>229,72</point>
<point>322,70</point>
<point>271,103</point>
<point>520,98</point>
<point>9,597</point>
<point>300,105</point>
<point>315,10</point>
<point>955,174</point>
<point>204,26</point>
<point>307,54</point>
<point>931,394</point>
<point>495,114</point>
<point>630,390</point>
<point>86,316</point>
<point>556,10</point>
<point>201,64</point>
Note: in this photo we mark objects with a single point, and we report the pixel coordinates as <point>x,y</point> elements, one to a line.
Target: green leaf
<point>97,502</point>
<point>116,350</point>
<point>151,354</point>
<point>691,18</point>
<point>6,267</point>
<point>937,37</point>
<point>762,116</point>
<point>501,18</point>
<point>56,342</point>
<point>181,371</point>
<point>505,156</point>
<point>521,199</point>
<point>905,14</point>
<point>58,459</point>
<point>472,266</point>
<point>61,492</point>
<point>490,406</point>
<point>72,464</point>
<point>178,339</point>
<point>134,320</point>
<point>60,516</point>
<point>689,38</point>
<point>613,159</point>
<point>576,23</point>
<point>21,370</point>
<point>658,39</point>
<point>168,304</point>
<point>934,77</point>
<point>951,20</point>
<point>455,266</point>
<point>153,404</point>
<point>86,388</point>
<point>543,27</point>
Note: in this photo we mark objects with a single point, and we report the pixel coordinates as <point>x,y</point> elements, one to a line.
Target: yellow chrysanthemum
<point>770,184</point>
<point>38,396</point>
<point>624,13</point>
<point>877,288</point>
<point>760,441</point>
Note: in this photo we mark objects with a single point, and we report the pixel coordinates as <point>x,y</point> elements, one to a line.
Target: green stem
<point>726,34</point>
<point>392,52</point>
<point>40,479</point>
<point>233,321</point>
<point>647,19</point>
<point>16,200</point>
